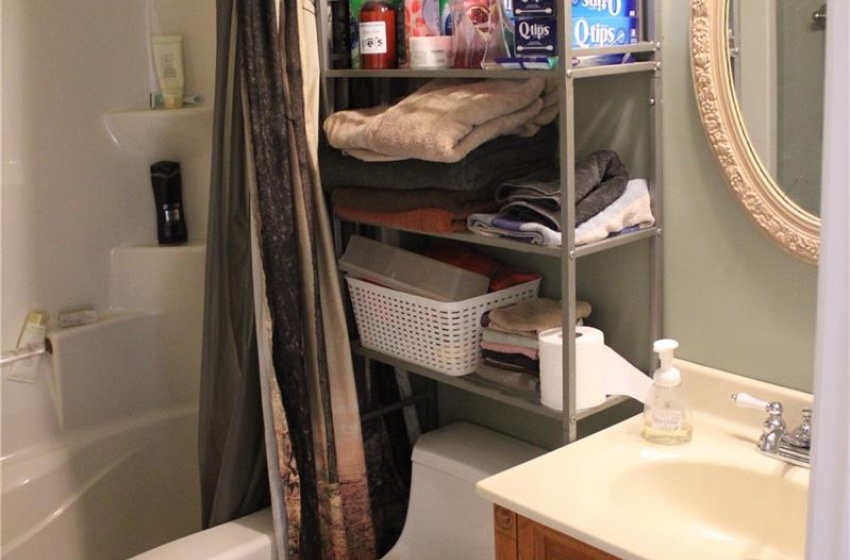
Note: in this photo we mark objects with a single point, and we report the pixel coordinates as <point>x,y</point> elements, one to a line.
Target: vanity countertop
<point>714,497</point>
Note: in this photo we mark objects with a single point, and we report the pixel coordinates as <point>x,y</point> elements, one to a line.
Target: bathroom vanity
<point>519,537</point>
<point>615,495</point>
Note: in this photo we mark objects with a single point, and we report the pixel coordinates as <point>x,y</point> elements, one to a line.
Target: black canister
<point>168,196</point>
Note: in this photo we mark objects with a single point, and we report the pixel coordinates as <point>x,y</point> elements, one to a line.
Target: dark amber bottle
<point>378,35</point>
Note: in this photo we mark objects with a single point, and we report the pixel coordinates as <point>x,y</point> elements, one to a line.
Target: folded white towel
<point>632,209</point>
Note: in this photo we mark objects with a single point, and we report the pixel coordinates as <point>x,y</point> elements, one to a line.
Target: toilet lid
<point>471,452</point>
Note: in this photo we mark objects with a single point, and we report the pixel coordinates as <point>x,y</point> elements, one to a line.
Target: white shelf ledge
<point>162,133</point>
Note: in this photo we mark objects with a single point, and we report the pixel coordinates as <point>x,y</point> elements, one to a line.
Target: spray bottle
<point>666,413</point>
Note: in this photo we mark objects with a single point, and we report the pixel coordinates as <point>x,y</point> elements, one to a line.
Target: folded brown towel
<point>533,315</point>
<point>442,121</point>
<point>430,220</point>
<point>517,339</point>
<point>548,113</point>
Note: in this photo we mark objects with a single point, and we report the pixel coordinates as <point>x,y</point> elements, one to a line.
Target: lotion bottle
<point>667,417</point>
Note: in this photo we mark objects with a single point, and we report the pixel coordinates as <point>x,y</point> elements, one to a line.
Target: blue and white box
<point>534,7</point>
<point>604,8</point>
<point>580,8</point>
<point>536,36</point>
<point>539,35</point>
<point>604,32</point>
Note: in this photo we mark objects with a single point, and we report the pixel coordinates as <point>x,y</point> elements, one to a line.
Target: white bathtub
<point>248,538</point>
<point>99,456</point>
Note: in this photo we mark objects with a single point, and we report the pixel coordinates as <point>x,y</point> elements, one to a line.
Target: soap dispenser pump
<point>666,413</point>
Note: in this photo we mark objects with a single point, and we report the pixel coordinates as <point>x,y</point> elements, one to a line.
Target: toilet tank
<point>446,520</point>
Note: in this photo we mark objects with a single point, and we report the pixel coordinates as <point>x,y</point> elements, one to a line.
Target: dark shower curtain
<point>234,476</point>
<point>284,356</point>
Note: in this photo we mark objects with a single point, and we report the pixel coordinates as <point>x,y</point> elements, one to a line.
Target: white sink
<point>761,514</point>
<point>715,497</point>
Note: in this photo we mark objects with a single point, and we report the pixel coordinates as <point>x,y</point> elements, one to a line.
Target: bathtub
<point>247,538</point>
<point>99,456</point>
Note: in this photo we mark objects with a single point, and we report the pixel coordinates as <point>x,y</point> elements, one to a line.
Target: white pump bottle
<point>667,414</point>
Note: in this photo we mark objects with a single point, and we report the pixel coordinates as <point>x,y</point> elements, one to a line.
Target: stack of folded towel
<point>431,196</point>
<point>509,345</point>
<point>606,202</point>
<point>440,152</point>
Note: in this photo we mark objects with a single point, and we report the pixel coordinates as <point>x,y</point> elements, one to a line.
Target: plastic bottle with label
<point>377,32</point>
<point>667,414</point>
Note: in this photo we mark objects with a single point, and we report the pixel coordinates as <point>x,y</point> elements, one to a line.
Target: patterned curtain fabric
<point>280,418</point>
<point>325,511</point>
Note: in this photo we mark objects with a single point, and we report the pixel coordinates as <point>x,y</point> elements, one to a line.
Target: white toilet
<point>446,520</point>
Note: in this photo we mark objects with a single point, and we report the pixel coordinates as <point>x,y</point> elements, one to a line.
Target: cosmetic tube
<point>168,60</point>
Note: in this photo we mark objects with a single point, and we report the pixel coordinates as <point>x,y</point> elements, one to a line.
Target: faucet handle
<point>801,436</point>
<point>744,400</point>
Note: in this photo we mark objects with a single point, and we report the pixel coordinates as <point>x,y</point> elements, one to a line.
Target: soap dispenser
<point>666,413</point>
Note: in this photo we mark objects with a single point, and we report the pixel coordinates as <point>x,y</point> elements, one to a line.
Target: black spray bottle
<point>168,195</point>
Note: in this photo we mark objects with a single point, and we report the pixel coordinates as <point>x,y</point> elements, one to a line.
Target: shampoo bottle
<point>378,35</point>
<point>666,413</point>
<point>167,185</point>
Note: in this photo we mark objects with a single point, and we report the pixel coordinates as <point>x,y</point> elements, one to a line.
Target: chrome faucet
<point>776,441</point>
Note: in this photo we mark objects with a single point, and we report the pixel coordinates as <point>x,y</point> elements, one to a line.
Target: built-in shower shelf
<point>162,133</point>
<point>154,278</point>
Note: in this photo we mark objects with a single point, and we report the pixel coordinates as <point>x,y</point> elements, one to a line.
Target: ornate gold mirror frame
<point>797,231</point>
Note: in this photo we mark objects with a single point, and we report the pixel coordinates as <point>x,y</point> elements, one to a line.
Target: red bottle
<point>377,35</point>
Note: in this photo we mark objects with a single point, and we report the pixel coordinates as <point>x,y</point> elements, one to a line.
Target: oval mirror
<point>771,208</point>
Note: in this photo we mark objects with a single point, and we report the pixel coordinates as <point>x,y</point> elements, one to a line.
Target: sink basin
<point>715,497</point>
<point>739,510</point>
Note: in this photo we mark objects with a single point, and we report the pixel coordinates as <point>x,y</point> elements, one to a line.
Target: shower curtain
<point>275,345</point>
<point>232,454</point>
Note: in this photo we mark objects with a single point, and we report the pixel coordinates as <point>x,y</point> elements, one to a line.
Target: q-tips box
<point>580,8</point>
<point>539,35</point>
<point>604,8</point>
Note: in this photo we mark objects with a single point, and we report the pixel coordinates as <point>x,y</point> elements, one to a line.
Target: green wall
<point>733,299</point>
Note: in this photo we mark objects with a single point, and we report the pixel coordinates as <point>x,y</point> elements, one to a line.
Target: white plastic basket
<point>443,336</point>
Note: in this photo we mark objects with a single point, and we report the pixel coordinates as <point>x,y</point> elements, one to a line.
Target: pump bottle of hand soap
<point>666,413</point>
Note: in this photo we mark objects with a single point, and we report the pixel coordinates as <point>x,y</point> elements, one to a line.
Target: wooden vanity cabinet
<point>520,538</point>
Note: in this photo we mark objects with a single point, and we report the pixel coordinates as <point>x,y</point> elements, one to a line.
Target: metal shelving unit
<point>648,54</point>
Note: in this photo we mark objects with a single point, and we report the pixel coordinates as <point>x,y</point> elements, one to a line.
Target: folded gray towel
<point>600,179</point>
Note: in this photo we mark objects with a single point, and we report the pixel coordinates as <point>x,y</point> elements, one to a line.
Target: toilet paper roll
<point>590,366</point>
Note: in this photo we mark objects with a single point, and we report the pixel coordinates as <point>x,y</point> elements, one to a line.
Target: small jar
<point>378,35</point>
